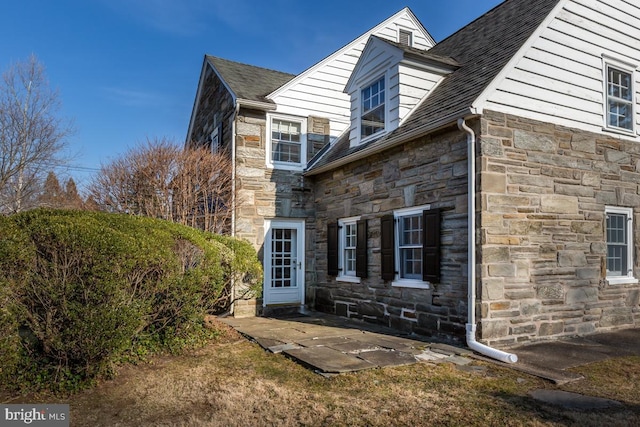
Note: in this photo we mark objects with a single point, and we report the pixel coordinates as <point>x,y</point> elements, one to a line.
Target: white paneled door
<point>284,262</point>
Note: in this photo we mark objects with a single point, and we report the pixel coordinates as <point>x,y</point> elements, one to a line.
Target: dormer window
<point>373,109</point>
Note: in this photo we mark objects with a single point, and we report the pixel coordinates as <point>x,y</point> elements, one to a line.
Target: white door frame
<point>292,295</point>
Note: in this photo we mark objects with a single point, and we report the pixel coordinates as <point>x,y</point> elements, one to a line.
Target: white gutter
<point>471,306</point>
<point>256,105</point>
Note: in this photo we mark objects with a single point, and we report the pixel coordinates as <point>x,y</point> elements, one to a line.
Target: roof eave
<point>394,141</point>
<point>257,105</point>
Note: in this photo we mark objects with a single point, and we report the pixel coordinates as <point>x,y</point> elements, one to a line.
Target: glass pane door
<point>283,258</point>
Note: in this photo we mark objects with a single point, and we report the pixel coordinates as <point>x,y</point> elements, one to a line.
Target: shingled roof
<point>482,48</point>
<point>421,54</point>
<point>249,82</point>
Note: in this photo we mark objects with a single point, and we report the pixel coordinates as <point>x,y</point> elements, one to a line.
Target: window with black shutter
<point>347,249</point>
<point>332,249</point>
<point>410,247</point>
<point>431,246</point>
<point>361,248</point>
<point>387,247</point>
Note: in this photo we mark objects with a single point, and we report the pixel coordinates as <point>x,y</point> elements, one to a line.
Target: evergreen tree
<point>52,195</point>
<point>72,198</point>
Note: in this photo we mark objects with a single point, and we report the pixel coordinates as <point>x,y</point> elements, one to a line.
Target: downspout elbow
<point>472,343</point>
<point>491,352</point>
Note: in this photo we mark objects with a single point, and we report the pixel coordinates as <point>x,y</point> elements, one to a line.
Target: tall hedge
<point>79,290</point>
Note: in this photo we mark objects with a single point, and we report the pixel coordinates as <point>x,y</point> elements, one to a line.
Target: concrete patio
<point>332,345</point>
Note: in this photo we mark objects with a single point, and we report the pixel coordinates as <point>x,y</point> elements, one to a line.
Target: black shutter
<point>431,246</point>
<point>332,249</point>
<point>387,248</point>
<point>361,248</point>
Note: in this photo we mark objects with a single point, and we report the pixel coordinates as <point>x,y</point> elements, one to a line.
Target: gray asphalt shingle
<point>482,48</point>
<point>249,82</point>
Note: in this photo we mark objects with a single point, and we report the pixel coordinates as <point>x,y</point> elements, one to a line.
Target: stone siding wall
<point>264,193</point>
<point>431,170</point>
<point>542,229</point>
<point>216,107</point>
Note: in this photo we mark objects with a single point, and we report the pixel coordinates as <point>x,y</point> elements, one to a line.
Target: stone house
<point>356,178</point>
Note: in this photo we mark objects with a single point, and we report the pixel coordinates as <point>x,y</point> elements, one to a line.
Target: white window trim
<point>341,247</point>
<point>387,111</point>
<point>629,278</point>
<point>608,61</point>
<point>398,282</point>
<point>303,143</point>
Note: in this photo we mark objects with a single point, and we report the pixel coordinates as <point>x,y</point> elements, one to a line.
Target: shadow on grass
<point>626,414</point>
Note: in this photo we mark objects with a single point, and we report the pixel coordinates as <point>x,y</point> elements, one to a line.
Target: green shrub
<point>15,257</point>
<point>84,290</point>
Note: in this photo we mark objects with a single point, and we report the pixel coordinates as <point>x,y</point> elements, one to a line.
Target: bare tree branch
<point>32,136</point>
<point>161,180</point>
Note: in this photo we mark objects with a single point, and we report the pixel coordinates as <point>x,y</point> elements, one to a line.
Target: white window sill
<point>622,280</point>
<point>350,279</point>
<point>620,131</point>
<point>286,166</point>
<point>414,284</point>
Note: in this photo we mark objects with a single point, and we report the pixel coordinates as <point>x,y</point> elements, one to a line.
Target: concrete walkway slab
<point>323,342</point>
<point>355,346</point>
<point>553,359</point>
<point>331,344</point>
<point>328,360</point>
<point>384,358</point>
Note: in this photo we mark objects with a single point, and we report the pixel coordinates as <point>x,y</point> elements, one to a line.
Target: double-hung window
<point>372,118</point>
<point>619,98</point>
<point>287,144</point>
<point>410,247</point>
<point>347,249</point>
<point>619,235</point>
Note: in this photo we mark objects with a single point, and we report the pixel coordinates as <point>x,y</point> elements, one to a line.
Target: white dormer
<point>387,83</point>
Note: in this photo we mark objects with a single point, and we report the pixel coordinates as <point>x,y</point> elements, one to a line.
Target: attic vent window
<point>405,37</point>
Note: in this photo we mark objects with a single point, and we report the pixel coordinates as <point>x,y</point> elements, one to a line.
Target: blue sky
<point>127,70</point>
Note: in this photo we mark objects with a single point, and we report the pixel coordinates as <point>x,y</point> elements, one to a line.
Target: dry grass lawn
<point>236,383</point>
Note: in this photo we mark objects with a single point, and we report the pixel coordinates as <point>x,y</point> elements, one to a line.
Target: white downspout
<point>233,194</point>
<point>471,317</point>
<point>233,168</point>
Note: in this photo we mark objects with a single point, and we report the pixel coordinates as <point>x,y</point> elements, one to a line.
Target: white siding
<point>320,90</point>
<point>415,84</point>
<point>560,77</point>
